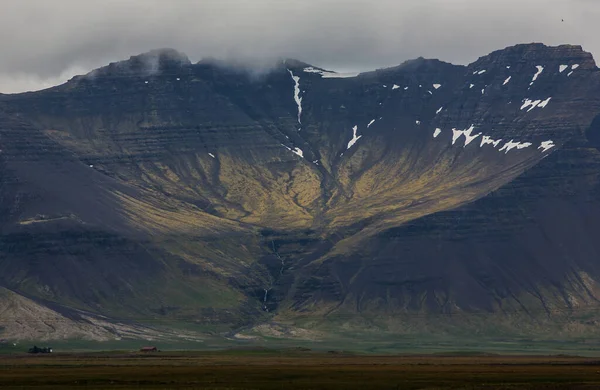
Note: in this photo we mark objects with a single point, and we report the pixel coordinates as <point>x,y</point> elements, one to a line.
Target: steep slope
<point>154,188</point>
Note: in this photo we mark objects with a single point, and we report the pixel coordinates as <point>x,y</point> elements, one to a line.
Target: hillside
<point>428,197</point>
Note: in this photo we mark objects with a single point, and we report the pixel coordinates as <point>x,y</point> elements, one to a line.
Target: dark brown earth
<point>295,370</point>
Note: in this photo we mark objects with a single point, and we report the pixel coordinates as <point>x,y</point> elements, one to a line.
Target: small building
<point>148,349</point>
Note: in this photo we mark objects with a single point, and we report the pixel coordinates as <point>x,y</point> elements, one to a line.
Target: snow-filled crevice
<point>297,97</point>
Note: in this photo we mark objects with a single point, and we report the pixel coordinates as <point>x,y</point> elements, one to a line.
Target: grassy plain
<point>294,369</point>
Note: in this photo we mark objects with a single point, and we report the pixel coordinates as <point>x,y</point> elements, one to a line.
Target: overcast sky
<point>45,42</point>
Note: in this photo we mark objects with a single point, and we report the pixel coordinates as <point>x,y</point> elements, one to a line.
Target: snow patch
<point>487,140</point>
<point>575,66</point>
<point>546,145</point>
<point>354,137</point>
<point>531,104</point>
<point>570,73</point>
<point>211,155</point>
<point>562,68</point>
<point>436,132</point>
<point>471,86</point>
<point>544,103</point>
<point>330,75</point>
<point>540,69</point>
<point>395,86</point>
<point>482,91</point>
<point>511,145</point>
<point>405,88</point>
<point>507,80</point>
<point>456,134</point>
<point>418,122</point>
<point>298,151</point>
<point>437,86</point>
<point>439,110</point>
<point>297,97</point>
<point>370,123</point>
<point>480,72</point>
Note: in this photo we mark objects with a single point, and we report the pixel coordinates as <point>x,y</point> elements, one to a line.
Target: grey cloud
<point>45,42</point>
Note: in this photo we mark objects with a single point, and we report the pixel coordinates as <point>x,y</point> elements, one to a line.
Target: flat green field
<point>293,369</point>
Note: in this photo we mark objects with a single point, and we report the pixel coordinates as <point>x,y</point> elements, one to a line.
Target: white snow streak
<point>471,86</point>
<point>297,97</point>
<point>211,155</point>
<point>546,145</point>
<point>370,123</point>
<point>354,137</point>
<point>507,80</point>
<point>436,132</point>
<point>439,110</point>
<point>570,73</point>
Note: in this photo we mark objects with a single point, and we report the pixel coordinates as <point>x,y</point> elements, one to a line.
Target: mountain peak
<point>151,62</point>
<point>538,53</point>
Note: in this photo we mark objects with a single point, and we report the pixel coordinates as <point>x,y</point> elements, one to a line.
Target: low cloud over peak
<point>47,42</point>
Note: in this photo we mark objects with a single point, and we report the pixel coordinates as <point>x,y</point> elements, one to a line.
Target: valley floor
<point>293,369</point>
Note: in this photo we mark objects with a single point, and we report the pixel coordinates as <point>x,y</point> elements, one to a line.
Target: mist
<point>44,43</point>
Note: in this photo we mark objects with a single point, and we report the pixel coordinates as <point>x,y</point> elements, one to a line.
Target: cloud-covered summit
<point>46,42</point>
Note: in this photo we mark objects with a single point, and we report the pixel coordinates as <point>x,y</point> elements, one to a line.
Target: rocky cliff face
<point>158,189</point>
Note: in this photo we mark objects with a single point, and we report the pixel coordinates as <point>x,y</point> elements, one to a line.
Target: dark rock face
<point>155,186</point>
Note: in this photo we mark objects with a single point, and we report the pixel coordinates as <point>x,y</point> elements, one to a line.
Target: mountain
<point>155,196</point>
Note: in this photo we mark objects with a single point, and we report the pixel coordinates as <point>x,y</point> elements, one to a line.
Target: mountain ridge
<point>193,192</point>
